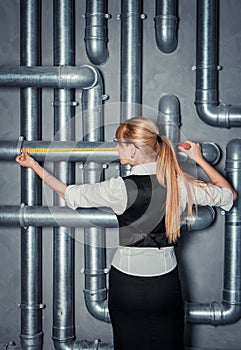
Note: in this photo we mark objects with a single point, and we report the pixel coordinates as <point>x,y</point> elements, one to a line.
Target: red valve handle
<point>185,145</point>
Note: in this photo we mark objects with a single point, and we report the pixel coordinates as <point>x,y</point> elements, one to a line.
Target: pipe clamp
<point>32,307</point>
<point>95,272</point>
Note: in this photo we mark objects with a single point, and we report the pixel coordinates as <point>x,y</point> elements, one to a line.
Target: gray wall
<point>200,253</point>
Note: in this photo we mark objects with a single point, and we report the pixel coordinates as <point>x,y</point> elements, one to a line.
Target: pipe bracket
<point>207,66</point>
<point>21,216</point>
<point>20,144</point>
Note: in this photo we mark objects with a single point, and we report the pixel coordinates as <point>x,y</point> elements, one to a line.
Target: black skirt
<point>146,312</point>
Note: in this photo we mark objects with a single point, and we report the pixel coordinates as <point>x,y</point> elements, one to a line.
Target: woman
<point>145,300</point>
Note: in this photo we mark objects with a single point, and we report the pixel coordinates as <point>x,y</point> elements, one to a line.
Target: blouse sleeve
<point>110,193</point>
<point>208,195</point>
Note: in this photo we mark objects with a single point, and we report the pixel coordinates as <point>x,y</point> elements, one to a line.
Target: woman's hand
<point>25,160</point>
<point>194,151</point>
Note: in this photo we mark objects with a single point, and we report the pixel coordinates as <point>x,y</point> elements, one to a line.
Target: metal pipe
<point>73,151</point>
<point>95,291</point>
<point>166,25</point>
<point>229,311</point>
<point>31,336</point>
<point>96,345</point>
<point>169,122</point>
<point>25,216</point>
<point>131,58</point>
<point>208,106</point>
<point>169,119</point>
<point>96,31</point>
<point>83,77</point>
<point>56,151</point>
<point>63,332</point>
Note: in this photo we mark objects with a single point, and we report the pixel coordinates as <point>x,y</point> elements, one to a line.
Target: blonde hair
<point>144,134</point>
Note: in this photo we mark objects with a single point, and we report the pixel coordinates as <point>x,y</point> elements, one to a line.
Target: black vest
<point>143,222</point>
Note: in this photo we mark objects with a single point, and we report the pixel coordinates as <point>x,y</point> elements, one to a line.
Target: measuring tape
<point>67,150</point>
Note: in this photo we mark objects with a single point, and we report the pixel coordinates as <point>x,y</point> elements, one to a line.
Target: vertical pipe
<point>31,191</point>
<point>229,311</point>
<point>166,25</point>
<point>95,252</point>
<point>207,104</point>
<point>96,31</point>
<point>169,117</point>
<point>63,254</point>
<point>131,58</point>
<point>232,266</point>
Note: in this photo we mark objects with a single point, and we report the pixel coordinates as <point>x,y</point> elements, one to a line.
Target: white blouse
<point>112,193</point>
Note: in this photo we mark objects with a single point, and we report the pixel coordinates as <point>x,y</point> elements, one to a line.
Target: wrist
<point>35,165</point>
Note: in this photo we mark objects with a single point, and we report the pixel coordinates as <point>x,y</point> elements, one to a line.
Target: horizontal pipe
<point>213,313</point>
<point>55,151</point>
<point>85,217</point>
<point>56,216</point>
<point>83,77</point>
<point>73,151</point>
<point>95,345</point>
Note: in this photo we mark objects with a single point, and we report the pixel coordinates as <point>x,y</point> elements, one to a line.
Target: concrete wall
<point>200,253</point>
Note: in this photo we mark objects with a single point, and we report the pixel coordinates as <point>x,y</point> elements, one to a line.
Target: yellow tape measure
<point>68,150</point>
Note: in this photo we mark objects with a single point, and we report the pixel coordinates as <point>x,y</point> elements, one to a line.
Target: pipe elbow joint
<point>96,49</point>
<point>214,114</point>
<point>166,33</point>
<point>200,221</point>
<point>92,74</point>
<point>98,309</point>
<point>226,313</point>
<point>214,313</point>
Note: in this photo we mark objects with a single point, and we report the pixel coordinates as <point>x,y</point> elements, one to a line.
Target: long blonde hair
<point>144,134</point>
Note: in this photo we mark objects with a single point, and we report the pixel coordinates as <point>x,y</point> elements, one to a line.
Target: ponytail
<point>168,172</point>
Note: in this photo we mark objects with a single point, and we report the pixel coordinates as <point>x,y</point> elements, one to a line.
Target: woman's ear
<point>132,151</point>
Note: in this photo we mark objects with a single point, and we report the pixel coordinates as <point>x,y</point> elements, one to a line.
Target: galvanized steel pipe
<point>31,305</point>
<point>63,331</point>
<point>169,119</point>
<point>25,216</point>
<point>207,103</point>
<point>96,31</point>
<point>166,25</point>
<point>83,77</point>
<point>56,151</point>
<point>131,58</point>
<point>95,291</point>
<point>229,310</point>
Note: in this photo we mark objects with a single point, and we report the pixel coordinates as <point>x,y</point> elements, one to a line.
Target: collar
<point>144,169</point>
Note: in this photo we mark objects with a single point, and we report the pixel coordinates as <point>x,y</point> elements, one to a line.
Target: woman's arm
<point>194,152</point>
<point>25,160</point>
